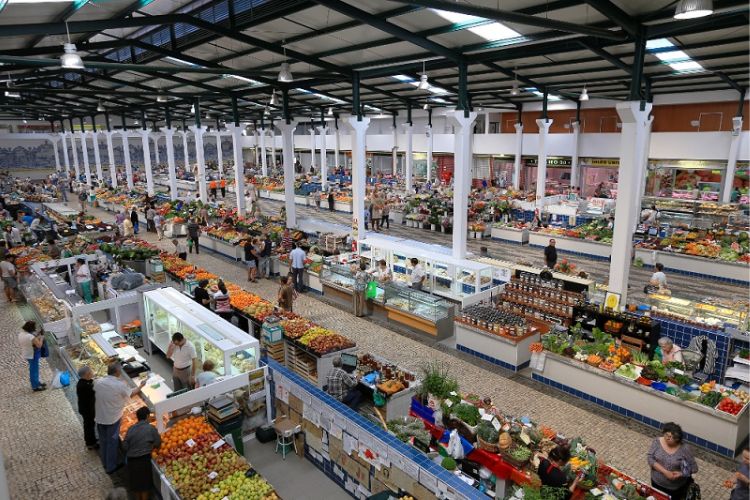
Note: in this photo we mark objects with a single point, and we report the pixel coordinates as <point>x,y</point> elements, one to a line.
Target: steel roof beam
<point>616,15</point>
<point>688,27</point>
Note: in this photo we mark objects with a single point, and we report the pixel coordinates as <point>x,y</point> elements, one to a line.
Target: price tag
<point>190,443</point>
<point>213,475</point>
<point>218,444</point>
<point>525,437</point>
<point>488,417</point>
<point>496,424</point>
<point>677,371</point>
<point>448,403</point>
<point>453,393</point>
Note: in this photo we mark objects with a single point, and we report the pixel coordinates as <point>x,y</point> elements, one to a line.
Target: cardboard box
<point>377,486</point>
<point>400,479</point>
<point>281,408</point>
<point>311,429</point>
<point>314,442</point>
<point>335,448</point>
<point>354,469</point>
<point>295,417</point>
<point>295,403</point>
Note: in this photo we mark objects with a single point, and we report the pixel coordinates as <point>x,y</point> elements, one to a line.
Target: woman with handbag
<point>31,344</point>
<point>672,464</point>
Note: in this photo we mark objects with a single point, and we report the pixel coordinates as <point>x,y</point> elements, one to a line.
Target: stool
<point>285,432</point>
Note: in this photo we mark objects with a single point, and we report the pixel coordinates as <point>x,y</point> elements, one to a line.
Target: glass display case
<point>711,312</point>
<point>168,311</point>
<point>339,276</point>
<point>415,302</point>
<point>695,213</point>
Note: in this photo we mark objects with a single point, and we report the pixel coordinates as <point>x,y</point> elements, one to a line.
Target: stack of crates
<point>272,339</point>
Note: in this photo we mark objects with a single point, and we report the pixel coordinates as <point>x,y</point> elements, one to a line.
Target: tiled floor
<point>40,435</point>
<point>621,442</point>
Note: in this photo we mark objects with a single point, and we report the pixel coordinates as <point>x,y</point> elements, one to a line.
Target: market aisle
<point>40,435</point>
<point>621,442</point>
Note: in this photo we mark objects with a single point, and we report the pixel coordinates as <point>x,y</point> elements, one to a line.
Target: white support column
<point>156,147</point>
<point>256,137</point>
<point>734,153</point>
<point>145,138</point>
<point>111,158</point>
<point>263,156</point>
<point>486,122</point>
<point>219,156</point>
<point>646,150</point>
<point>97,156</point>
<point>272,140</point>
<point>126,154</point>
<point>239,167</point>
<point>74,148</point>
<point>408,172</point>
<point>394,152</point>
<point>336,148</point>
<point>66,160</point>
<point>461,179</point>
<point>169,140</point>
<point>430,145</point>
<point>287,151</point>
<point>519,154</point>
<point>575,170</point>
<point>636,125</point>
<point>185,150</point>
<point>359,173</point>
<point>312,145</point>
<point>56,152</point>
<point>85,154</point>
<point>201,161</point>
<point>541,164</point>
<point>323,157</point>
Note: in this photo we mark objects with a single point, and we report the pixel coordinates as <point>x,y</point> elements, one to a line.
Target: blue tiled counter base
<point>492,360</point>
<point>702,426</point>
<point>375,432</point>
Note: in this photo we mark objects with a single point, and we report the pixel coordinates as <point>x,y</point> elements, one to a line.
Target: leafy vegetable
<point>466,413</point>
<point>487,432</point>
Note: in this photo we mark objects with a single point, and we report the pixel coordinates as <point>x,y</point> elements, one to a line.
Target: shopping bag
<point>372,290</point>
<point>455,448</point>
<point>44,350</point>
<point>60,380</point>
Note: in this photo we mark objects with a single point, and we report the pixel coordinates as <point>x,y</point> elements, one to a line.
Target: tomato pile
<point>728,405</point>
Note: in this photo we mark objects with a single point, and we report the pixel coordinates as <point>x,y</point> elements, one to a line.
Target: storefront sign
<point>601,162</point>
<point>551,162</point>
<point>689,164</point>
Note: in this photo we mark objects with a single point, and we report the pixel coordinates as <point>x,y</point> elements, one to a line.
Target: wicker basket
<point>515,463</point>
<point>484,445</point>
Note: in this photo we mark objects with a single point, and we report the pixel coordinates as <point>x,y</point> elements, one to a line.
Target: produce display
<point>712,244</point>
<point>605,353</point>
<point>596,230</point>
<point>200,465</point>
<point>133,249</point>
<point>49,308</point>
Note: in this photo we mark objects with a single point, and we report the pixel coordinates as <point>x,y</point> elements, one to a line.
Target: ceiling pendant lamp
<point>266,112</point>
<point>515,90</point>
<point>330,111</point>
<point>100,107</point>
<point>285,74</point>
<point>692,9</point>
<point>426,106</point>
<point>70,58</point>
<point>584,94</point>
<point>272,102</point>
<point>423,83</point>
<point>192,109</point>
<point>162,98</point>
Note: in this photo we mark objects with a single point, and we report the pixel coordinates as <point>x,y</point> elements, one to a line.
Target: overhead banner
<point>601,162</point>
<point>689,164</point>
<point>552,162</point>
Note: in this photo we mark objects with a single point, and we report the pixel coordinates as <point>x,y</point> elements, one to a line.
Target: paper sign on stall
<point>350,444</point>
<point>537,361</point>
<point>382,451</point>
<point>411,469</point>
<point>428,480</point>
<point>336,431</point>
<point>352,429</point>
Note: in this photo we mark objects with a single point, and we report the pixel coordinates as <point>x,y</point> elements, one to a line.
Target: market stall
<point>389,387</point>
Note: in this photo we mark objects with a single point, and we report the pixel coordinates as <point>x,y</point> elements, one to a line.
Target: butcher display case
<point>167,311</point>
<point>710,312</point>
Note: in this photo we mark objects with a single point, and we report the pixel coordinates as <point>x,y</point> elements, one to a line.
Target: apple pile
<point>238,486</point>
<point>194,475</point>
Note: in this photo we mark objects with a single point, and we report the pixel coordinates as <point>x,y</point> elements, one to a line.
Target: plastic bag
<point>60,380</point>
<point>372,290</point>
<point>455,448</point>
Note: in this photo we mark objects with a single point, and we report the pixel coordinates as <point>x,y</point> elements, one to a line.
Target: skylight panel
<point>686,66</point>
<point>658,43</point>
<point>181,62</point>
<point>403,78</point>
<point>672,55</point>
<point>676,59</point>
<point>490,32</point>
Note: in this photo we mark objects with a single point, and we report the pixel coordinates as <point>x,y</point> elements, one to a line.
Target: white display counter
<point>577,245</point>
<point>509,234</point>
<point>512,354</point>
<point>700,266</point>
<point>711,429</point>
<point>222,247</point>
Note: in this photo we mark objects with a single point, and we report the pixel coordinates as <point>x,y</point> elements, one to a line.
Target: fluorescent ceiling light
<point>535,91</point>
<point>238,77</point>
<point>411,81</point>
<point>672,55</point>
<point>180,61</point>
<point>403,78</point>
<point>491,32</point>
<point>14,95</point>
<point>658,43</point>
<point>439,100</point>
<point>687,66</point>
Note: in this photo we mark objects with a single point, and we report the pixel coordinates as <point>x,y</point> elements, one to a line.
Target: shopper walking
<point>179,249</point>
<point>742,478</point>
<point>83,278</point>
<point>159,226</point>
<point>86,405</point>
<point>251,260</point>
<point>385,220</point>
<point>83,196</point>
<point>672,463</point>
<point>184,362</point>
<point>141,439</point>
<point>550,254</point>
<point>297,262</point>
<point>10,277</point>
<point>360,287</point>
<point>150,214</point>
<point>112,395</point>
<point>213,186</point>
<point>223,187</point>
<point>286,294</point>
<point>331,201</point>
<point>31,350</point>
<point>134,220</point>
<point>128,231</point>
<point>194,232</point>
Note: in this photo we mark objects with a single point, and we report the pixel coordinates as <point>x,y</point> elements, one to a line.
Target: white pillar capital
<point>519,127</point>
<point>284,126</point>
<point>461,120</point>
<point>544,124</point>
<point>168,132</point>
<point>322,130</point>
<point>576,126</point>
<point>197,130</point>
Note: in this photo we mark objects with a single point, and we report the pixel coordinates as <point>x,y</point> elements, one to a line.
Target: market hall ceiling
<point>149,56</point>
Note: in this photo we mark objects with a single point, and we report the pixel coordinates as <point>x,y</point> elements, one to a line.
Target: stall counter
<point>510,353</point>
<point>574,245</point>
<point>705,427</point>
<point>697,266</point>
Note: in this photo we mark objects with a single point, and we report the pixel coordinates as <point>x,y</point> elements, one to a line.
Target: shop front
<point>686,179</point>
<point>558,174</point>
<point>598,176</point>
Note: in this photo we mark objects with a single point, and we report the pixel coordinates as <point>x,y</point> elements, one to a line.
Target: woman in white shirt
<point>222,304</point>
<point>31,345</point>
<point>83,278</point>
